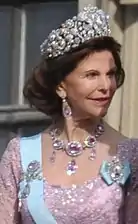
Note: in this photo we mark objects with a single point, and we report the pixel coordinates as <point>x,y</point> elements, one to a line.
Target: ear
<point>61,92</point>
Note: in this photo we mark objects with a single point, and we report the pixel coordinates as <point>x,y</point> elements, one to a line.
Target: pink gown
<point>94,202</point>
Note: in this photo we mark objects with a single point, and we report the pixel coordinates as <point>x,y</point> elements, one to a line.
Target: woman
<point>80,170</point>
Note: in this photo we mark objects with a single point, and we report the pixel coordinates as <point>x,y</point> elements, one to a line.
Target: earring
<point>66,109</point>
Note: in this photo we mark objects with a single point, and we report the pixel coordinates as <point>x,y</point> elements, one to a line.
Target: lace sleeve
<point>131,200</point>
<point>9,176</point>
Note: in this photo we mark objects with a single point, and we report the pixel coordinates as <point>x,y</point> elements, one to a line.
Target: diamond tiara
<point>91,22</point>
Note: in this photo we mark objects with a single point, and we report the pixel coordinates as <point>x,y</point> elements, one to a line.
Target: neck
<point>86,123</point>
<point>75,128</point>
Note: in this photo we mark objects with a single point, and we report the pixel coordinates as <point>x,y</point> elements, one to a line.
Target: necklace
<point>75,148</point>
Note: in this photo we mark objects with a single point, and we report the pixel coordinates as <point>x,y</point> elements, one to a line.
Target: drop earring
<point>66,109</point>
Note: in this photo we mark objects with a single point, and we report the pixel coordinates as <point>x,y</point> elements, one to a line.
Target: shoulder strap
<point>30,150</point>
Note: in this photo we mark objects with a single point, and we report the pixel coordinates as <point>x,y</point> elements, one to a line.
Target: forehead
<point>100,61</point>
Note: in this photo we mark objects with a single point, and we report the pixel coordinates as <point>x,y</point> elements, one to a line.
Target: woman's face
<point>91,85</point>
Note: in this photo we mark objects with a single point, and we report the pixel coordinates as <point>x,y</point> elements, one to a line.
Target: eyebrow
<point>93,70</point>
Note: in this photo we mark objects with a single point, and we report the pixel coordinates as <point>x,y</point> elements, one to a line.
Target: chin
<point>96,114</point>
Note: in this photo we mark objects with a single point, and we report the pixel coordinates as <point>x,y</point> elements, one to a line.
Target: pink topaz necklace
<point>75,148</point>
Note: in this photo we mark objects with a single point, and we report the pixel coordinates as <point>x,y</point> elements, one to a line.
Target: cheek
<point>81,90</point>
<point>113,85</point>
<point>77,90</point>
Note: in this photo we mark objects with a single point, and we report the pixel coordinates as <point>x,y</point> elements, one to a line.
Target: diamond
<point>54,45</point>
<point>69,37</point>
<point>77,40</point>
<point>62,44</point>
<point>33,166</point>
<point>116,169</point>
<point>49,49</point>
<point>87,26</point>
<point>69,23</point>
<point>52,36</point>
<point>74,31</point>
<point>91,18</point>
<point>26,191</point>
<point>67,48</point>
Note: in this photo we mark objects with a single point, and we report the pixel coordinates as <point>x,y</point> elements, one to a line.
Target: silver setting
<point>91,22</point>
<point>33,172</point>
<point>116,169</point>
<point>74,148</point>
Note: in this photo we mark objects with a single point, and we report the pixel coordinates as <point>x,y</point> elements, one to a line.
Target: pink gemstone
<point>67,111</point>
<point>71,167</point>
<point>90,141</point>
<point>74,148</point>
<point>58,144</point>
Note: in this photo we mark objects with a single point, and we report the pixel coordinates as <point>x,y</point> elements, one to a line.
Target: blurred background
<point>23,27</point>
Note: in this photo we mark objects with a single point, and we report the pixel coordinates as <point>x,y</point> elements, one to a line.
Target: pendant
<point>58,144</point>
<point>74,148</point>
<point>53,157</point>
<point>71,167</point>
<point>92,154</point>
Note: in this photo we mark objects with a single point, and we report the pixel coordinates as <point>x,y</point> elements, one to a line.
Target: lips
<point>101,100</point>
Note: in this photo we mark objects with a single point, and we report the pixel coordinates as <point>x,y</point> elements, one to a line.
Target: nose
<point>104,83</point>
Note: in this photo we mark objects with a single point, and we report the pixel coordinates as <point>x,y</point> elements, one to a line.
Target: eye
<point>92,75</point>
<point>112,73</point>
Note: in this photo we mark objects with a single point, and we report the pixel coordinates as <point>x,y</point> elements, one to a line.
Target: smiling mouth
<point>101,101</point>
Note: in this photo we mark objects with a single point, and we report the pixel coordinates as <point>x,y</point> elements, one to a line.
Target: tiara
<point>91,22</point>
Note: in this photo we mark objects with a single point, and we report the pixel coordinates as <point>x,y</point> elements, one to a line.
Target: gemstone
<point>71,167</point>
<point>62,44</point>
<point>69,23</point>
<point>87,26</point>
<point>26,191</point>
<point>52,158</point>
<point>74,148</point>
<point>58,144</point>
<point>90,141</point>
<point>69,37</point>
<point>100,128</point>
<point>49,49</point>
<point>116,172</point>
<point>67,48</point>
<point>90,33</point>
<point>52,36</point>
<point>66,110</point>
<point>33,166</point>
<point>77,40</point>
<point>92,156</point>
<point>54,44</point>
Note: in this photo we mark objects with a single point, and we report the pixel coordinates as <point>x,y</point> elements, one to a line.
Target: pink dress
<point>94,202</point>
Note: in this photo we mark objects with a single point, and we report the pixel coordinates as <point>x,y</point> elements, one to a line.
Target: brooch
<point>33,172</point>
<point>115,171</point>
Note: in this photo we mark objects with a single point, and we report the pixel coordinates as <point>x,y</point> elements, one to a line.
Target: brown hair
<point>40,88</point>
